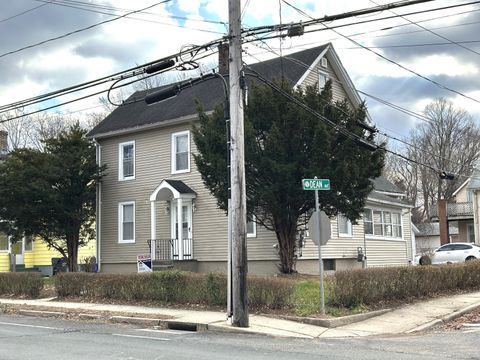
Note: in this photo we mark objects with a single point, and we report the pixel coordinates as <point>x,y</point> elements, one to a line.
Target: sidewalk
<point>408,319</point>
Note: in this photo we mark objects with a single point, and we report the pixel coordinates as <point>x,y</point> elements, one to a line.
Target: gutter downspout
<point>98,214</point>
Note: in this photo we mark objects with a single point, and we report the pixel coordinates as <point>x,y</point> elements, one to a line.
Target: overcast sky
<point>165,28</point>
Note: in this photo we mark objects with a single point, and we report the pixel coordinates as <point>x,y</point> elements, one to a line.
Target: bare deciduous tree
<point>449,141</point>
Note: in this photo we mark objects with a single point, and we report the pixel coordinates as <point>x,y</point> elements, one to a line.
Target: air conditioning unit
<point>324,62</point>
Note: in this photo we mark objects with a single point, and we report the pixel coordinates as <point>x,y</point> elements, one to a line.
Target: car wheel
<point>425,260</point>
<point>470,258</point>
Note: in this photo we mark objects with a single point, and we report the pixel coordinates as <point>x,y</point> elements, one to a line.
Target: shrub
<point>356,287</point>
<point>21,284</point>
<point>173,287</point>
<point>270,292</point>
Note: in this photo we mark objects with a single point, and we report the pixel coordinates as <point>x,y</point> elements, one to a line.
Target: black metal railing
<point>168,249</point>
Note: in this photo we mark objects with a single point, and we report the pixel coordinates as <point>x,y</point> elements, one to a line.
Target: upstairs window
<point>251,228</point>
<point>181,152</point>
<point>126,160</point>
<point>322,80</point>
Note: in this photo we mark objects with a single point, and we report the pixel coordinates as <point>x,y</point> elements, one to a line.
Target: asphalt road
<point>39,339</point>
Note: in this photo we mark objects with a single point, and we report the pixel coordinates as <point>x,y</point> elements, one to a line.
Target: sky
<point>448,53</point>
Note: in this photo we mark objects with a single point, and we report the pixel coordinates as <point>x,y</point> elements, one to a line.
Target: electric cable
<point>390,60</point>
<point>81,30</point>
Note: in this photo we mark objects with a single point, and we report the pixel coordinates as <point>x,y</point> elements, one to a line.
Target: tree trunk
<point>286,248</point>
<point>72,250</point>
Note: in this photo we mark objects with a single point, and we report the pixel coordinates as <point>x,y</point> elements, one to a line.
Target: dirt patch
<point>457,324</point>
<point>73,314</point>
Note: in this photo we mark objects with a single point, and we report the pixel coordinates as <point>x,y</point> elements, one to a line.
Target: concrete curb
<point>336,322</point>
<point>134,320</point>
<point>445,318</point>
<point>40,313</point>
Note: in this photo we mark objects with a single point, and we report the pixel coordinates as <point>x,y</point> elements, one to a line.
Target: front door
<point>186,228</point>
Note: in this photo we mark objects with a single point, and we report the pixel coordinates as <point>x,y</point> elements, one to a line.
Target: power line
<point>57,2</point>
<point>82,29</point>
<point>356,138</point>
<point>389,60</point>
<point>432,32</point>
<point>24,12</point>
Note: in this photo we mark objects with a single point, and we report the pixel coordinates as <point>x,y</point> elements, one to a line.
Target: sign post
<point>318,184</point>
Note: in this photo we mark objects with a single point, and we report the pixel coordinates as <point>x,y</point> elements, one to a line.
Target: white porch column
<point>153,229</point>
<point>180,228</point>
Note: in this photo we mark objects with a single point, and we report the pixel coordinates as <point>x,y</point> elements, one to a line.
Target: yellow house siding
<point>42,256</point>
<point>4,262</point>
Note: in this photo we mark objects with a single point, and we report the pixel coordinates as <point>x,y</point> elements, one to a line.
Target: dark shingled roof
<point>136,113</point>
<point>180,186</point>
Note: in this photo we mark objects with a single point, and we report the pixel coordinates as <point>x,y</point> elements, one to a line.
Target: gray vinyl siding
<point>153,164</point>
<point>338,92</point>
<point>379,251</point>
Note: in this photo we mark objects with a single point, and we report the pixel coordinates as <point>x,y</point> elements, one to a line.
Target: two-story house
<point>464,209</point>
<point>152,185</point>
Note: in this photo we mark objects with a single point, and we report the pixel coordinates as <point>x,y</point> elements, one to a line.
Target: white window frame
<point>121,206</point>
<point>349,226</point>
<point>384,224</point>
<point>174,152</point>
<point>322,74</point>
<point>254,233</point>
<point>121,176</point>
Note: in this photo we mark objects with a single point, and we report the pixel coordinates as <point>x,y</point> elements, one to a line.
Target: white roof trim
<point>176,194</point>
<point>460,187</point>
<point>311,66</point>
<point>391,203</point>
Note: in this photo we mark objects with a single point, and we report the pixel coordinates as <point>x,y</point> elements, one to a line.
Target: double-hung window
<point>322,80</point>
<point>181,152</point>
<point>126,160</point>
<point>382,223</point>
<point>126,222</point>
<point>344,226</point>
<point>251,227</point>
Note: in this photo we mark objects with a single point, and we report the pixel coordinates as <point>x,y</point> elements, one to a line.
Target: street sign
<point>316,184</point>
<point>319,233</point>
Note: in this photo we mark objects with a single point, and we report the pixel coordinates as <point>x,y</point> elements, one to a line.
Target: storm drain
<point>182,326</point>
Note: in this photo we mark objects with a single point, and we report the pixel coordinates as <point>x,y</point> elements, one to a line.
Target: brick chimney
<point>443,222</point>
<point>3,142</point>
<point>223,58</point>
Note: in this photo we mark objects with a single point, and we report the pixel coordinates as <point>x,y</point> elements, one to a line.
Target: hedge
<point>21,284</point>
<point>372,285</point>
<point>172,287</point>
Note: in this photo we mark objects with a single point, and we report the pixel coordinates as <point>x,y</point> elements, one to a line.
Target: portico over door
<point>180,197</point>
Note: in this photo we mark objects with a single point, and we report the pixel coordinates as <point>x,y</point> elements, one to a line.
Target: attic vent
<point>324,62</point>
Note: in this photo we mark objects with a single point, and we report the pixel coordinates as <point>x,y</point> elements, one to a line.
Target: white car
<point>455,253</point>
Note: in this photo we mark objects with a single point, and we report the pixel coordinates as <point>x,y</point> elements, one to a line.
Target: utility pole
<point>237,173</point>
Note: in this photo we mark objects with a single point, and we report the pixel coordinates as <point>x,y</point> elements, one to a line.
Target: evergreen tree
<point>283,145</point>
<point>51,193</point>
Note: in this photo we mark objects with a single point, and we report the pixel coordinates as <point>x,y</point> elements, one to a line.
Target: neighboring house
<point>152,185</point>
<point>464,209</point>
<point>31,253</point>
<point>428,237</point>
